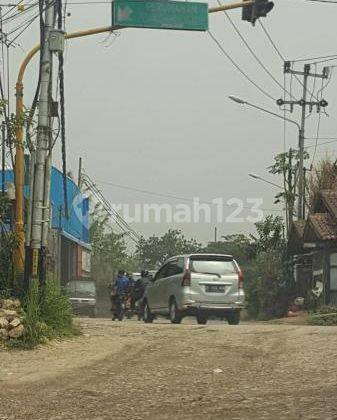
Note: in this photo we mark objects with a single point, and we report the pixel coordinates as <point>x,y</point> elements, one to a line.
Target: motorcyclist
<point>139,289</point>
<point>120,288</point>
<point>122,282</point>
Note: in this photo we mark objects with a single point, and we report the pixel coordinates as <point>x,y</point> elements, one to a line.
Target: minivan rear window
<point>212,266</point>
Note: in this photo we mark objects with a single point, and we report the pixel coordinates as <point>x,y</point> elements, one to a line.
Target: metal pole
<point>230,6</point>
<point>301,187</point>
<point>42,143</point>
<point>3,157</point>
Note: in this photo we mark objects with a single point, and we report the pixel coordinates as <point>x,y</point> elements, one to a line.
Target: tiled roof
<point>329,198</point>
<point>324,226</point>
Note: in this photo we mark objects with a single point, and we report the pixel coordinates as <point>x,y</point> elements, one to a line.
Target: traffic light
<point>260,8</point>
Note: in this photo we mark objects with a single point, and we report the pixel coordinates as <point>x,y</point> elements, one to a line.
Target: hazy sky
<point>148,109</point>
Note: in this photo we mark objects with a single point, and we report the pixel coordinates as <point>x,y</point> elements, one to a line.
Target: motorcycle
<point>120,306</point>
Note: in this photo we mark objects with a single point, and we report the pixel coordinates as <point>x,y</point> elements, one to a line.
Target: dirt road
<point>162,371</point>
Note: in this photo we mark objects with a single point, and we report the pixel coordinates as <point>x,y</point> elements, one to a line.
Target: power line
<point>20,14</point>
<point>320,93</point>
<point>321,144</point>
<point>314,58</point>
<point>257,59</point>
<point>62,109</point>
<point>325,61</point>
<point>123,225</point>
<point>23,30</point>
<point>12,6</point>
<point>281,55</point>
<point>271,40</point>
<point>238,67</point>
<point>324,1</point>
<point>190,200</point>
<point>321,138</point>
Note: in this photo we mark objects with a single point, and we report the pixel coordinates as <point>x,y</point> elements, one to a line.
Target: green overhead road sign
<point>160,14</point>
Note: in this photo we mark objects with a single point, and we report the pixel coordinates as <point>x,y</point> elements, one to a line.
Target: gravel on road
<point>130,370</point>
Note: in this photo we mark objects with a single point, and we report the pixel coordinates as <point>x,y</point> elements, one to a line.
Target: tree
<point>268,278</point>
<point>286,164</point>
<point>238,245</point>
<point>268,285</point>
<point>109,252</point>
<point>152,252</point>
<point>270,234</point>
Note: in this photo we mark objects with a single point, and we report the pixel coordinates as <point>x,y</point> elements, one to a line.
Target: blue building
<point>69,248</point>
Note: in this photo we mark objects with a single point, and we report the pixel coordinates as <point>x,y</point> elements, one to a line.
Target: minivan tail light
<point>240,279</point>
<point>186,278</point>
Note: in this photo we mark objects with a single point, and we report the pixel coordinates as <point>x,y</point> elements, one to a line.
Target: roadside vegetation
<point>326,316</point>
<point>46,315</point>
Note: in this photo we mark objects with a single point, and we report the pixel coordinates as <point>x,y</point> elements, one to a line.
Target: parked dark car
<point>82,296</point>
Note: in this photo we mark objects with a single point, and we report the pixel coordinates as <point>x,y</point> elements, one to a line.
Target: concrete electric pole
<point>303,103</point>
<point>41,179</point>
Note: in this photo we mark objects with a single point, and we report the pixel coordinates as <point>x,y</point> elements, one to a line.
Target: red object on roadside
<point>294,308</point>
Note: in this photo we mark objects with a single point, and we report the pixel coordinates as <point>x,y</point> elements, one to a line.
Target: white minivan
<point>201,285</point>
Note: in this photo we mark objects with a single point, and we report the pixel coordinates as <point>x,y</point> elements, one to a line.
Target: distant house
<point>69,248</point>
<point>313,245</point>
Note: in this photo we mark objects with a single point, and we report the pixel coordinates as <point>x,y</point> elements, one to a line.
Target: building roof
<point>323,226</point>
<point>326,202</point>
<point>77,222</point>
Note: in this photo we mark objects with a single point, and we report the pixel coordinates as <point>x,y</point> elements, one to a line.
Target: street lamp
<point>301,185</point>
<point>243,102</point>
<point>265,180</point>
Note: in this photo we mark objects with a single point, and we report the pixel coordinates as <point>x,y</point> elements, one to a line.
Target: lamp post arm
<point>273,113</point>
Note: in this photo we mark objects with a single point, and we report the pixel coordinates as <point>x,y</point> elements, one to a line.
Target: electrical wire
<point>264,92</point>
<point>271,40</point>
<point>30,22</point>
<point>20,14</point>
<point>62,109</point>
<point>157,194</point>
<point>320,93</point>
<point>313,90</point>
<point>22,23</point>
<point>321,138</point>
<point>325,61</point>
<point>321,144</point>
<point>284,116</point>
<point>252,52</point>
<point>315,58</point>
<point>317,135</point>
<point>37,90</point>
<point>281,55</point>
<point>324,1</point>
<point>121,223</point>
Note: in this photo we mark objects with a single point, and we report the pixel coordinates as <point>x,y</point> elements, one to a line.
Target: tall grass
<point>47,315</point>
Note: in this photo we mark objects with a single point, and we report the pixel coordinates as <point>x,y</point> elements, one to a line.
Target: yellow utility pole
<point>19,253</point>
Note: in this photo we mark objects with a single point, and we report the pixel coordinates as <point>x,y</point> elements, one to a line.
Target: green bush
<point>268,286</point>
<point>326,315</point>
<point>47,315</point>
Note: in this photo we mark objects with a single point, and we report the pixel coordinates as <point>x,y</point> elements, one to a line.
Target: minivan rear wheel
<point>175,317</point>
<point>233,318</point>
<point>147,315</point>
<point>202,319</point>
